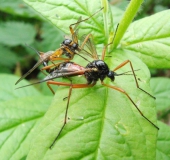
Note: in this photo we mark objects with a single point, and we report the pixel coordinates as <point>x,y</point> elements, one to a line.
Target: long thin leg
<point>65,117</point>
<point>72,30</point>
<point>105,47</point>
<point>137,85</point>
<point>69,95</point>
<point>50,66</point>
<point>122,91</point>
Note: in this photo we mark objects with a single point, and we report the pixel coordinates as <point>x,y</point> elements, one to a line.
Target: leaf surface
<point>103,123</point>
<point>149,39</point>
<point>18,7</point>
<point>20,113</point>
<point>161,90</point>
<point>25,33</point>
<point>64,13</point>
<point>163,143</point>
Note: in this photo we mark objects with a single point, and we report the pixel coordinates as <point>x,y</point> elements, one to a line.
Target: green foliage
<point>20,112</point>
<point>17,7</point>
<point>9,57</point>
<point>52,37</point>
<point>102,123</point>
<point>27,36</point>
<point>161,89</point>
<point>149,39</point>
<point>8,89</point>
<point>63,19</point>
<point>21,25</point>
<point>163,143</point>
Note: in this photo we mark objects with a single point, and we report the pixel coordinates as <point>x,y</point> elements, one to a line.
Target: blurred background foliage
<point>20,25</point>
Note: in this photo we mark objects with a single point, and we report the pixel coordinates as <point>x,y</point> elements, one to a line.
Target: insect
<point>93,72</point>
<point>69,47</point>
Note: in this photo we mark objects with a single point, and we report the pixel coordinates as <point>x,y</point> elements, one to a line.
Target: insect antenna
<point>125,73</point>
<point>38,52</point>
<point>86,18</point>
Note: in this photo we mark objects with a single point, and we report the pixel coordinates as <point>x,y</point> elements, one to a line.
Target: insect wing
<point>75,36</point>
<point>64,69</point>
<point>70,69</point>
<point>43,57</point>
<point>89,48</point>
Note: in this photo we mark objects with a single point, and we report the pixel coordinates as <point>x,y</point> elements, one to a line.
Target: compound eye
<point>67,41</point>
<point>111,75</point>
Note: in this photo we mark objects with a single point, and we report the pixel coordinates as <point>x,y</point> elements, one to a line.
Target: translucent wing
<point>66,69</point>
<point>43,57</point>
<point>89,48</point>
<point>75,36</point>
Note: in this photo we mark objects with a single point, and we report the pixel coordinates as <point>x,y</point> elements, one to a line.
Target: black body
<point>71,45</point>
<point>100,70</point>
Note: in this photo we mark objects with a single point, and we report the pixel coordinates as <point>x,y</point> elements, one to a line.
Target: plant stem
<point>126,20</point>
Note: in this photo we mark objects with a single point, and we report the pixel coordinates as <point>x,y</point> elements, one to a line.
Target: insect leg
<point>137,85</point>
<point>68,100</point>
<point>122,91</point>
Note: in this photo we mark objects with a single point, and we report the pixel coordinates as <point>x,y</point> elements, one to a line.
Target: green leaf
<point>117,14</point>
<point>103,123</point>
<point>52,37</point>
<point>8,58</point>
<point>163,143</point>
<point>64,13</point>
<point>19,119</point>
<point>18,7</point>
<point>161,90</point>
<point>20,113</point>
<point>149,39</point>
<point>8,88</point>
<point>159,8</point>
<point>16,33</point>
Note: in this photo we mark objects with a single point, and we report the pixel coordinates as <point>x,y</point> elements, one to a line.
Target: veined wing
<point>70,69</point>
<point>66,69</point>
<point>43,57</point>
<point>75,36</point>
<point>89,48</point>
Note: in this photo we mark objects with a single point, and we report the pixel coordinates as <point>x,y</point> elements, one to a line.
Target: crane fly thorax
<point>69,47</point>
<point>99,70</point>
<point>69,43</point>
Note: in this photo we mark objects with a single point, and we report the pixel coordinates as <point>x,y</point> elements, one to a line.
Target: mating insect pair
<point>69,48</point>
<point>93,71</point>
